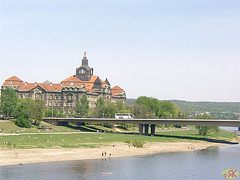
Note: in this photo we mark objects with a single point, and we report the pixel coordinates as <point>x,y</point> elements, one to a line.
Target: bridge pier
<point>146,129</point>
<point>153,129</point>
<point>141,129</point>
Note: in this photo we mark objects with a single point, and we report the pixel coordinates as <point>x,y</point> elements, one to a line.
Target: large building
<point>66,93</point>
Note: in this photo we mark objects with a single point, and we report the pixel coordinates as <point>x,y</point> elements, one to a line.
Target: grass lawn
<point>8,126</point>
<point>76,140</point>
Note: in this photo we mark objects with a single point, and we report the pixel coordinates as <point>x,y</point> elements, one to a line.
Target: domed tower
<point>84,72</point>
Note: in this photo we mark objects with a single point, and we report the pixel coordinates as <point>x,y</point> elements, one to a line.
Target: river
<point>202,164</point>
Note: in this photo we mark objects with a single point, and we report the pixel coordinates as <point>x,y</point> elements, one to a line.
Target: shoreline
<point>25,156</point>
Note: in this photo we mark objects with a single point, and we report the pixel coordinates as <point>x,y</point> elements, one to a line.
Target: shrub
<point>127,141</point>
<point>137,143</point>
<point>204,130</point>
<point>23,122</point>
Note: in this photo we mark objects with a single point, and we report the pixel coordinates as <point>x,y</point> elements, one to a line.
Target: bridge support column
<point>146,129</point>
<point>153,129</point>
<point>141,129</point>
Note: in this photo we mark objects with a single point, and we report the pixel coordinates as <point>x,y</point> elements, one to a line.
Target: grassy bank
<point>76,140</point>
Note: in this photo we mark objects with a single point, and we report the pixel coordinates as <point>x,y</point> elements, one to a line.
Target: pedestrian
<point>105,153</point>
<point>102,153</point>
<point>113,145</point>
<point>110,155</point>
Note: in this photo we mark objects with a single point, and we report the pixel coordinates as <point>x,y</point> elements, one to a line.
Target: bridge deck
<point>197,122</point>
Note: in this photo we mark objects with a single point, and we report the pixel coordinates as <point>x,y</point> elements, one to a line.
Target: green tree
<point>141,111</point>
<point>61,113</point>
<point>23,115</point>
<point>99,108</point>
<point>22,109</point>
<point>204,130</point>
<point>82,106</point>
<point>152,104</point>
<point>166,110</point>
<point>36,109</point>
<point>9,101</point>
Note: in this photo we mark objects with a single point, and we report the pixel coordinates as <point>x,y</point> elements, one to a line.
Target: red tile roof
<point>45,86</point>
<point>13,81</point>
<point>90,84</point>
<point>70,81</point>
<point>117,90</point>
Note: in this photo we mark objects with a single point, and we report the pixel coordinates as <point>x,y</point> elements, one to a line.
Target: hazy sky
<point>179,49</point>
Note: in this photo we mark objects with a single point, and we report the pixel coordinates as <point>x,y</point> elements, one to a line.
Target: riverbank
<point>24,156</point>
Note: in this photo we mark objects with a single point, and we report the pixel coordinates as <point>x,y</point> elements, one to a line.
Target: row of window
<point>55,97</point>
<point>68,97</point>
<point>59,104</point>
<point>72,88</point>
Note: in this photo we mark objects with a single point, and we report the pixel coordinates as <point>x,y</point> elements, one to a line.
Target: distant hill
<point>188,106</point>
<point>130,101</point>
<point>222,110</point>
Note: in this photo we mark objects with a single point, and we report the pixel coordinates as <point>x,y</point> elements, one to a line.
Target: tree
<point>9,101</point>
<point>152,104</point>
<point>99,108</point>
<point>36,109</point>
<point>166,110</point>
<point>204,130</point>
<point>141,111</point>
<point>82,106</point>
<point>23,115</point>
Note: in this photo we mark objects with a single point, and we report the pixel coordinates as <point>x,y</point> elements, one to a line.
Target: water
<point>203,164</point>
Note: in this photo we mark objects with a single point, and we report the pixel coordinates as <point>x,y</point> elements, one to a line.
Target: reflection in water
<point>204,164</point>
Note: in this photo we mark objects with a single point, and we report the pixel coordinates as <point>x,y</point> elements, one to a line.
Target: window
<point>82,71</point>
<point>71,83</point>
<point>10,82</point>
<point>50,97</point>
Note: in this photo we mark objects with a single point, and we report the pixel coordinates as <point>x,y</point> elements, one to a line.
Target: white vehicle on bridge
<point>124,116</point>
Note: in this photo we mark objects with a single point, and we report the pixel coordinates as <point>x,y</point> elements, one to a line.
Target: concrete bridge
<point>146,122</point>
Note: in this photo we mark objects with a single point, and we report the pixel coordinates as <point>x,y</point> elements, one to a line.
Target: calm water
<point>203,164</point>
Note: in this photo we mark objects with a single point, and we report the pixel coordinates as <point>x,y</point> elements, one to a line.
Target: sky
<point>180,49</point>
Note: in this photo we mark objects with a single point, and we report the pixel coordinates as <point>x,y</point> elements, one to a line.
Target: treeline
<point>31,111</point>
<point>219,110</point>
<point>208,106</point>
<point>26,111</point>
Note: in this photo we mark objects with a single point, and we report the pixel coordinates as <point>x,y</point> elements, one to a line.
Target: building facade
<point>66,93</point>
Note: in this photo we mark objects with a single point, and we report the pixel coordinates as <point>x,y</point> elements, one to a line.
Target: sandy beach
<point>23,156</point>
